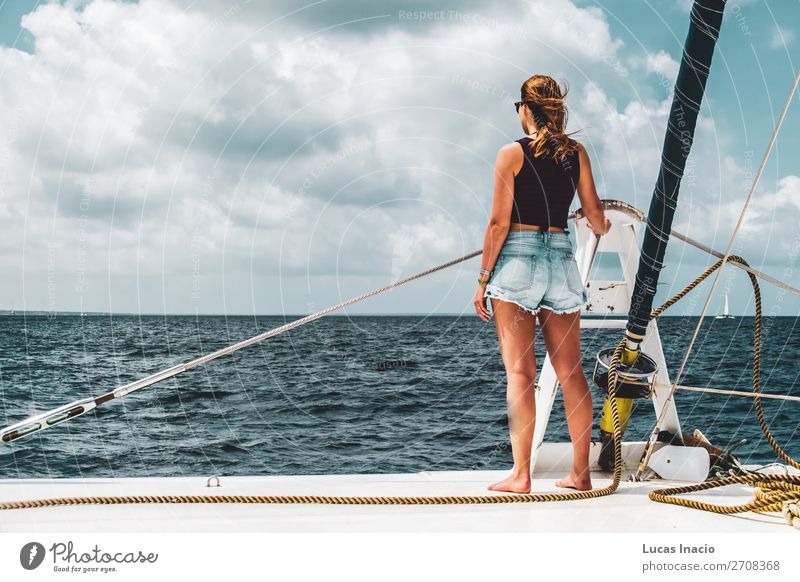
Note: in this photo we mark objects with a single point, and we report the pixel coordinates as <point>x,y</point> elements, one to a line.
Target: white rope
<point>79,407</point>
<point>749,269</point>
<point>731,392</point>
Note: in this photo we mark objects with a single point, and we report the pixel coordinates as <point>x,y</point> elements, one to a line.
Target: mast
<point>705,21</point>
<point>704,24</point>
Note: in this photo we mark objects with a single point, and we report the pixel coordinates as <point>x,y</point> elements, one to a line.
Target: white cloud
<point>142,140</point>
<point>774,212</point>
<point>663,64</point>
<point>781,37</point>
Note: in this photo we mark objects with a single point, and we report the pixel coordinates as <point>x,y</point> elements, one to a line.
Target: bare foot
<point>514,484</point>
<point>573,482</point>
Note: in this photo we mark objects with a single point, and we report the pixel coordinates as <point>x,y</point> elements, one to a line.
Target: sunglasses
<point>517,104</point>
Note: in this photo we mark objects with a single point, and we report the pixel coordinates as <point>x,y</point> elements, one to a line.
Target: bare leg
<point>562,337</point>
<point>515,332</point>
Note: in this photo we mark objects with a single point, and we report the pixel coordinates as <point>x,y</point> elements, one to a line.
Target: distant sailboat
<point>725,314</point>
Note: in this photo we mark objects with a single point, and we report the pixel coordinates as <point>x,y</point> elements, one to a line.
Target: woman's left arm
<point>508,158</point>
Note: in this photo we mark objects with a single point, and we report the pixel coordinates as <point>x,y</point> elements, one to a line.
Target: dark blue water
<point>322,398</point>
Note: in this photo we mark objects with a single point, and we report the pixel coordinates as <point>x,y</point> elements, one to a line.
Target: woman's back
<point>544,188</point>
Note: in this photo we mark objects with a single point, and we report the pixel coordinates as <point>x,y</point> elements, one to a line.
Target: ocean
<point>340,395</point>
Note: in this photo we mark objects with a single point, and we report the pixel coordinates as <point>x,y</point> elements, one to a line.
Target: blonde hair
<point>546,101</point>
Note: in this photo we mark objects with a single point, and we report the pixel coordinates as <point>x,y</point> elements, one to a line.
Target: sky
<point>211,157</point>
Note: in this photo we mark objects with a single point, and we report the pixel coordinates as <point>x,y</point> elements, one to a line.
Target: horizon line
<point>39,312</point>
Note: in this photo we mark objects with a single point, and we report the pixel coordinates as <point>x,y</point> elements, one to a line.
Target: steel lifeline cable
<point>773,492</point>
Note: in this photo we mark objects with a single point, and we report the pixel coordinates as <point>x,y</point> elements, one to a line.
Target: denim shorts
<point>537,269</point>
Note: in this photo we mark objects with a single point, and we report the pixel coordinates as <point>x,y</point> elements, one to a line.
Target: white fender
<point>681,463</point>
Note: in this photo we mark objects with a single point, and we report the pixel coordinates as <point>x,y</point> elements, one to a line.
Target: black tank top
<point>544,188</point>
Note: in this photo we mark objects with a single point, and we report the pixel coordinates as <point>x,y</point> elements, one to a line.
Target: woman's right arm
<point>590,201</point>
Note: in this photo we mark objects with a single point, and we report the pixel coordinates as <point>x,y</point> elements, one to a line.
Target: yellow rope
<point>773,493</point>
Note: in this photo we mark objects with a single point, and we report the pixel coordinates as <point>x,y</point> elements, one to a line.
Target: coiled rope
<point>773,493</point>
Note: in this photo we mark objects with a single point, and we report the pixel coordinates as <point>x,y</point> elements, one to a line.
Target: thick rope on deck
<point>773,493</point>
<point>352,500</point>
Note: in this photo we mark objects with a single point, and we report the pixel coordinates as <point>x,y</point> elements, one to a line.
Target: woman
<point>528,269</point>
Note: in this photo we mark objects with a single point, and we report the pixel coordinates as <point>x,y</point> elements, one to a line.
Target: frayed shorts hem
<point>562,311</point>
<point>526,308</point>
<point>538,309</point>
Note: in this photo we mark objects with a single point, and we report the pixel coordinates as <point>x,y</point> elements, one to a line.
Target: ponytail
<point>546,102</point>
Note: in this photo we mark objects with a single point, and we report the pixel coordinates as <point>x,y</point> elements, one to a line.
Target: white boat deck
<point>627,510</point>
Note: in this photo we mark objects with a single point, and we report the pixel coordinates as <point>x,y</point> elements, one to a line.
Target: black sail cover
<point>706,17</point>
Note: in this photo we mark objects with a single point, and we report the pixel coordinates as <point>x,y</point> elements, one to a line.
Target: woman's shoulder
<point>515,145</point>
<point>515,149</point>
<point>511,150</point>
<point>510,156</point>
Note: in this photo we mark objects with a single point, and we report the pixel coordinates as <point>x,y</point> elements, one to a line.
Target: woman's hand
<point>480,304</point>
<point>601,232</point>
